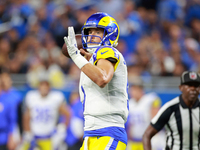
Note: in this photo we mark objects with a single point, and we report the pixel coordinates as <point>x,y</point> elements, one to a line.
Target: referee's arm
<point>157,123</point>
<point>149,133</point>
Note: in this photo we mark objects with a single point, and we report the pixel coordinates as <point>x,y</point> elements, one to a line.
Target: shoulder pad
<point>105,52</point>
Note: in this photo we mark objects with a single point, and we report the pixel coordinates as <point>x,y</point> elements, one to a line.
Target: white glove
<point>72,49</point>
<point>27,136</point>
<point>59,137</point>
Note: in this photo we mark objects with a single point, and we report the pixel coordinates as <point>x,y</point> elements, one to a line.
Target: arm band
<point>79,60</point>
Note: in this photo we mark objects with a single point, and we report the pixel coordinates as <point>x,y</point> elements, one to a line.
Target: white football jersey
<point>44,111</point>
<point>140,115</point>
<point>105,107</point>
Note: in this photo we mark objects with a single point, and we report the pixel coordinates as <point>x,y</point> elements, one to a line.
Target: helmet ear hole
<point>105,33</point>
<point>86,31</point>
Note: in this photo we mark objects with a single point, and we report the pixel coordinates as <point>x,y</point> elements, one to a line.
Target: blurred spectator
<point>107,6</point>
<point>179,69</point>
<point>59,27</point>
<point>51,70</point>
<point>122,48</point>
<point>3,11</point>
<point>195,29</point>
<point>152,22</point>
<point>44,18</point>
<point>192,12</point>
<point>20,11</point>
<point>191,53</point>
<point>43,107</point>
<point>175,53</point>
<point>169,10</point>
<point>42,59</point>
<point>13,37</point>
<point>4,53</point>
<point>131,24</point>
<point>174,33</point>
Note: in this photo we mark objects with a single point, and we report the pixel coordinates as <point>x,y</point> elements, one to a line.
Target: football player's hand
<point>72,49</point>
<point>27,136</point>
<point>71,43</point>
<point>86,54</point>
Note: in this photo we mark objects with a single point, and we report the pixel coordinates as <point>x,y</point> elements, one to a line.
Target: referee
<point>180,117</point>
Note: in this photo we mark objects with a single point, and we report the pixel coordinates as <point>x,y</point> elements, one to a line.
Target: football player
<point>103,83</point>
<point>43,107</point>
<point>142,108</point>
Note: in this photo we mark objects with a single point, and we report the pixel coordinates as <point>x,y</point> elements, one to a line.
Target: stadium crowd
<point>157,38</point>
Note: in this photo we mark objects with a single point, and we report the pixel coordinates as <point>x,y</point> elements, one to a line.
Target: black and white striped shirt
<point>182,124</point>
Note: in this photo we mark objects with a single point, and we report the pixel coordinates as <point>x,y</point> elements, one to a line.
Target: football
<point>79,44</point>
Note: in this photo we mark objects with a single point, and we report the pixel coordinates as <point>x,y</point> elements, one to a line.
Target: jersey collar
<point>196,104</point>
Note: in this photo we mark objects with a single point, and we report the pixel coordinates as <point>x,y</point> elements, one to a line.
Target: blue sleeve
<point>12,117</point>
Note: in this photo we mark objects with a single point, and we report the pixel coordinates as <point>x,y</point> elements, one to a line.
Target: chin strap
<point>92,48</point>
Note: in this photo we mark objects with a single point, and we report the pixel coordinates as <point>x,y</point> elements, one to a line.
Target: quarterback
<point>103,83</point>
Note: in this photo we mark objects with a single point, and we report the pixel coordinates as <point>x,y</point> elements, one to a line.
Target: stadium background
<point>159,39</point>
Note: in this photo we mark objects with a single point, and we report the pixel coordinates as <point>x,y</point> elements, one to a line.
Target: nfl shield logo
<point>193,75</point>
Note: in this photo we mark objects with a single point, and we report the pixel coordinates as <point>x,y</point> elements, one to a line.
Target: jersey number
<point>42,115</point>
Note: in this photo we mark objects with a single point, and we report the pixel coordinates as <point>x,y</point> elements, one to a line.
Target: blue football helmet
<point>106,22</point>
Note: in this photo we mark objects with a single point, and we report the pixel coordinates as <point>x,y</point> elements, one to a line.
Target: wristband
<point>79,60</point>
